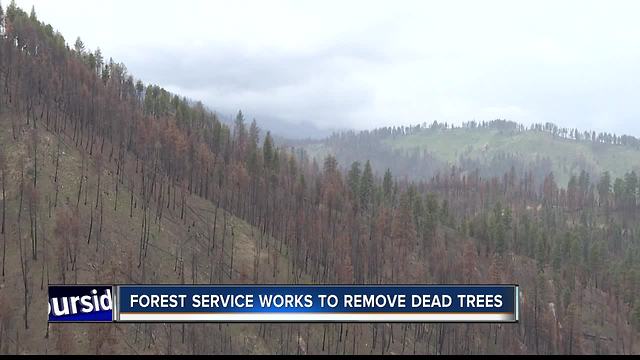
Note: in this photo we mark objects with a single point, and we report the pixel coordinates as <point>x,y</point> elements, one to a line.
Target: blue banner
<point>318,303</point>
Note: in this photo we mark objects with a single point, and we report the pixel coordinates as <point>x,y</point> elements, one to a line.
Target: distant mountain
<point>291,130</point>
<point>492,148</point>
<point>283,129</point>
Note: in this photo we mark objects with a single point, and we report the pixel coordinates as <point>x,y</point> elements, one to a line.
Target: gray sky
<point>365,64</point>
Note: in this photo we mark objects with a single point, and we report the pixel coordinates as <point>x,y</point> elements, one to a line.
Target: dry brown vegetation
<point>108,181</point>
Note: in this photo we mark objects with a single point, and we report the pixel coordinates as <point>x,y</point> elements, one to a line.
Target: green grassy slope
<point>483,144</point>
<point>565,154</point>
<point>451,143</point>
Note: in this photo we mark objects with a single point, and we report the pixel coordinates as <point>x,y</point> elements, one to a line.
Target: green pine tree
<point>366,186</point>
<point>387,185</point>
<point>353,178</point>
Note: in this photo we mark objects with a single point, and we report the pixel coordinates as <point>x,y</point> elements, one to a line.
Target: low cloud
<point>366,64</point>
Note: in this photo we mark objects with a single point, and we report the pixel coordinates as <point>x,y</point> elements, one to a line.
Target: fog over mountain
<point>572,63</point>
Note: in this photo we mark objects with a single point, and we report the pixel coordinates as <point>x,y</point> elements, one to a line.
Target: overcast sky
<point>365,64</point>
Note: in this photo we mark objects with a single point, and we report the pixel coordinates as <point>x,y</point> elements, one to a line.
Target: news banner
<point>283,303</point>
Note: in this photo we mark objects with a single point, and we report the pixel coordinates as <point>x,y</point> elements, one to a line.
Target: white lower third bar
<point>318,317</point>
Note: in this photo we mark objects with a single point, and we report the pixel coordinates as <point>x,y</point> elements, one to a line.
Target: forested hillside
<point>492,148</point>
<point>105,179</point>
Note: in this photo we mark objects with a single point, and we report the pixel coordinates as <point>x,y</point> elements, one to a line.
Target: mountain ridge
<point>492,147</point>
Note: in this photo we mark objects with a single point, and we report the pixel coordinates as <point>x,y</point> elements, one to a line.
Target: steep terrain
<point>104,244</point>
<point>108,180</point>
<point>80,242</point>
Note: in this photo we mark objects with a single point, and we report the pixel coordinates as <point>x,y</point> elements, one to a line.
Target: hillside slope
<point>79,242</point>
<point>107,180</point>
<point>491,150</point>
